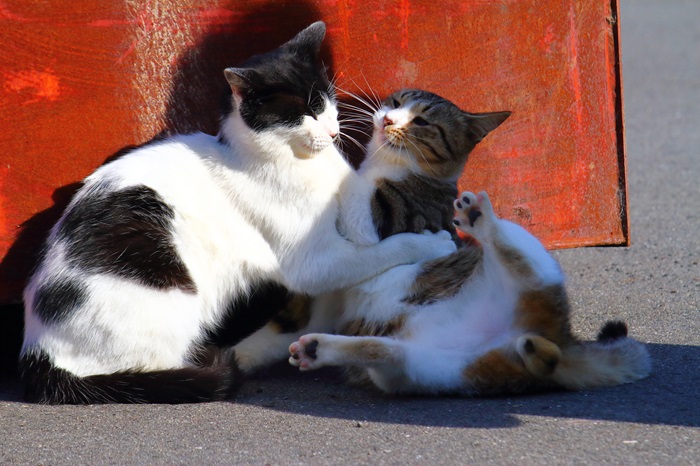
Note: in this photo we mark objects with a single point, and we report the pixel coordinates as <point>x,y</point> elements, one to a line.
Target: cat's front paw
<point>474,214</point>
<point>304,353</point>
<point>444,234</point>
<point>433,245</point>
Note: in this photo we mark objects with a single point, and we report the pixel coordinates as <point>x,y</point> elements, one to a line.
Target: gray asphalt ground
<point>290,418</point>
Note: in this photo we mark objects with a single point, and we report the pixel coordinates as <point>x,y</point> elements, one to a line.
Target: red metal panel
<point>80,80</point>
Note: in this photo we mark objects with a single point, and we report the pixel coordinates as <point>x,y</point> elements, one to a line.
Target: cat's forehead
<point>418,100</point>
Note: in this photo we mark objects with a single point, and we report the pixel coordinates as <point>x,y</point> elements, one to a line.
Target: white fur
<point>264,208</point>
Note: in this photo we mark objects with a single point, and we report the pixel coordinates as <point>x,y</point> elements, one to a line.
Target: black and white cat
<point>158,246</point>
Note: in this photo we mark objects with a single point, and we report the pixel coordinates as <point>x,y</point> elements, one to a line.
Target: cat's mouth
<point>316,145</point>
<point>390,136</point>
<point>395,137</point>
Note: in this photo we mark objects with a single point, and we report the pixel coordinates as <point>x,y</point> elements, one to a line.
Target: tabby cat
<point>492,318</point>
<point>162,245</point>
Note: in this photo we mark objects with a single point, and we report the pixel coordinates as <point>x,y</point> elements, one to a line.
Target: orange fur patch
<point>499,372</point>
<point>545,312</point>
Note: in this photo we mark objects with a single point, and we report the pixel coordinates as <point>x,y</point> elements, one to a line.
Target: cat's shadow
<point>661,399</point>
<point>665,398</point>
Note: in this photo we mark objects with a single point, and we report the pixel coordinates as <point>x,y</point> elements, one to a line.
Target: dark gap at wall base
<point>11,329</point>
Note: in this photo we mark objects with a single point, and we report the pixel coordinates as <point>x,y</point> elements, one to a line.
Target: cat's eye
<point>420,121</point>
<point>395,103</point>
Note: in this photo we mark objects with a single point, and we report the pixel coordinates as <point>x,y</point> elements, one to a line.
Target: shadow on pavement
<point>664,398</point>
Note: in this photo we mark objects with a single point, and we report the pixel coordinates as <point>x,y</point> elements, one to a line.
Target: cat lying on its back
<point>505,330</point>
<point>490,318</point>
<point>157,247</point>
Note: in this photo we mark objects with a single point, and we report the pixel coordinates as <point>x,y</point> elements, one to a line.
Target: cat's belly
<point>471,323</point>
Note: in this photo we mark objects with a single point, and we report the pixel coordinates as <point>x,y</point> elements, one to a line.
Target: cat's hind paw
<point>539,355</point>
<point>474,213</point>
<point>304,353</point>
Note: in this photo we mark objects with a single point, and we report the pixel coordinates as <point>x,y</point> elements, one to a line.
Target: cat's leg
<point>541,310</point>
<point>325,261</point>
<point>302,315</point>
<point>519,252</point>
<point>317,350</point>
<point>380,358</point>
<point>393,365</point>
<point>355,220</point>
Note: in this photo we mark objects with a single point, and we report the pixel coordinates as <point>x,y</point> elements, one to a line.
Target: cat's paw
<point>433,245</point>
<point>305,352</point>
<point>539,355</point>
<point>474,214</point>
<point>443,234</point>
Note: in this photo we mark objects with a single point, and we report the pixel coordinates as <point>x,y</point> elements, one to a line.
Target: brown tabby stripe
<point>448,146</point>
<point>443,277</point>
<point>433,154</point>
<point>362,328</point>
<point>295,315</point>
<point>514,260</point>
<point>413,205</point>
<point>546,313</point>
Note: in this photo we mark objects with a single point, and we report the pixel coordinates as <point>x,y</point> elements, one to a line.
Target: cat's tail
<point>610,360</point>
<point>47,384</point>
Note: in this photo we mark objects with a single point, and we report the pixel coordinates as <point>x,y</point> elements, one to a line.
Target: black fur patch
<point>279,88</point>
<point>246,314</point>
<point>54,301</point>
<point>611,331</point>
<point>295,315</point>
<point>44,383</point>
<point>126,233</point>
<point>276,105</point>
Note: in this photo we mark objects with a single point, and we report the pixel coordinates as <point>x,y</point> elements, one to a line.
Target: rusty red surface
<point>81,80</point>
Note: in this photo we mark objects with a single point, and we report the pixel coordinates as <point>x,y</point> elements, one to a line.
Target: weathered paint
<point>80,80</point>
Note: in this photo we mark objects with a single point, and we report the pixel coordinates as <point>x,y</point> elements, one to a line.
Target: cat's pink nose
<point>388,121</point>
<point>332,128</point>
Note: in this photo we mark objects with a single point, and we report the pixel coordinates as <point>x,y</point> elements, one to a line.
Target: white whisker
<point>353,140</point>
<point>369,104</point>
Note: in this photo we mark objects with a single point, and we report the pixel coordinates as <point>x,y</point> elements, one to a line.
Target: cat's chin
<point>310,150</point>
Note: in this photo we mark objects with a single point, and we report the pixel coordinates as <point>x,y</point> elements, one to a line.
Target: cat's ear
<point>240,80</point>
<point>308,42</point>
<point>481,124</point>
